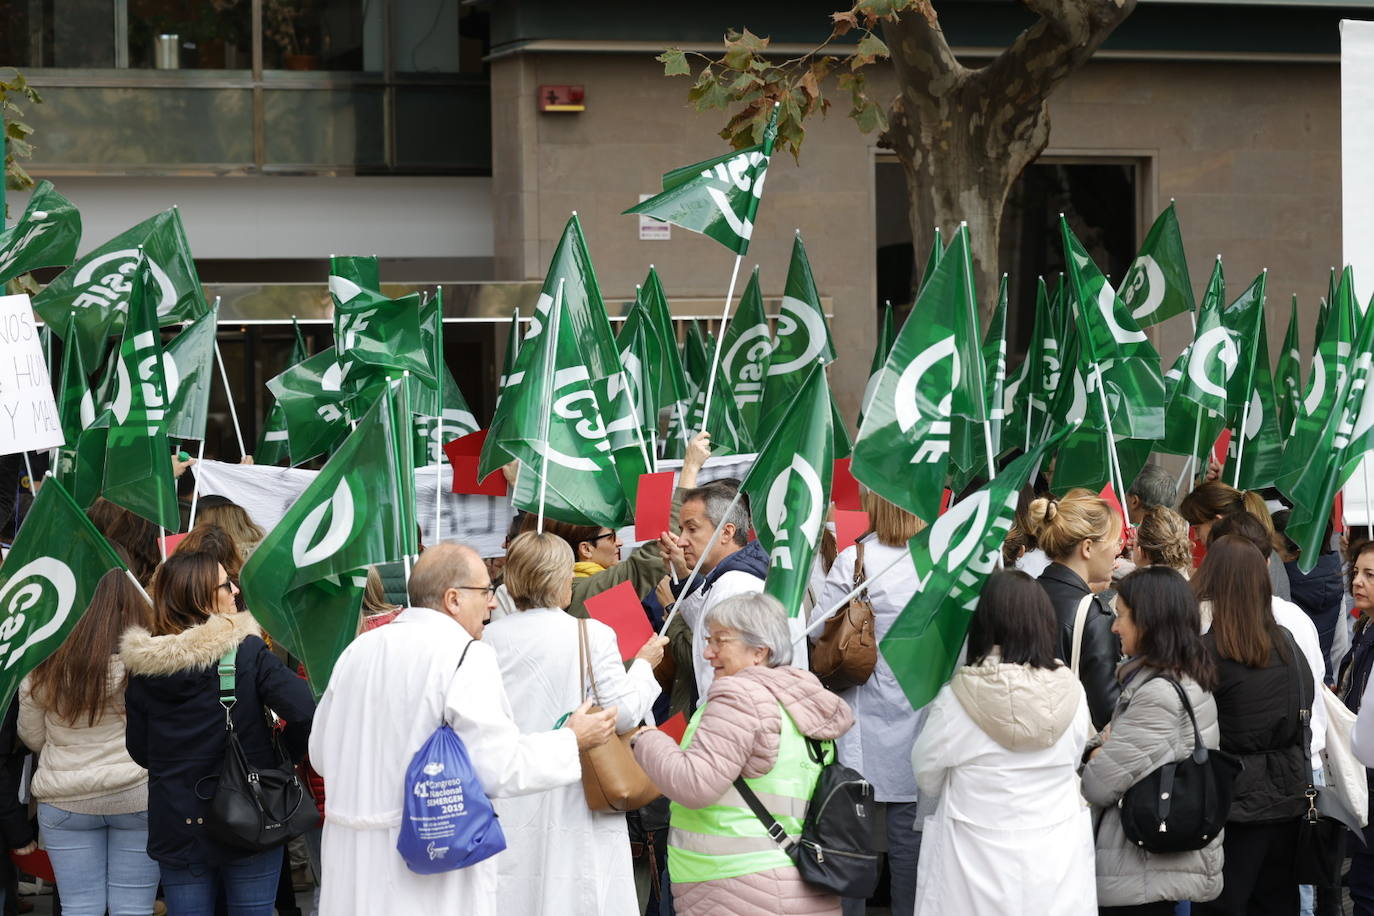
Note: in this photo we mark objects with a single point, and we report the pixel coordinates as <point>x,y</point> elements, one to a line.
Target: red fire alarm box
<point>562,98</point>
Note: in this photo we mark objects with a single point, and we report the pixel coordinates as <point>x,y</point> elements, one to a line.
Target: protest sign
<point>28,412</point>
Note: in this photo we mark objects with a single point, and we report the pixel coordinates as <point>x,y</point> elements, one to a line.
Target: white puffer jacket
<point>77,761</point>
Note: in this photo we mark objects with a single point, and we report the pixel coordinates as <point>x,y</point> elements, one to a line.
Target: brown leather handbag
<point>612,780</point>
<point>847,650</point>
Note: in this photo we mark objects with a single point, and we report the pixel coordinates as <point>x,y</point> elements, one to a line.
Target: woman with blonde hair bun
<point>1081,534</point>
<point>1162,540</point>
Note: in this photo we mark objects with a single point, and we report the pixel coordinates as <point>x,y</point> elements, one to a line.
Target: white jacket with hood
<point>1011,833</point>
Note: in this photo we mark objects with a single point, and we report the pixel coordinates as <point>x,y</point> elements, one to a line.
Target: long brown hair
<point>218,543</point>
<point>184,592</point>
<point>135,534</point>
<point>73,681</point>
<point>1235,579</point>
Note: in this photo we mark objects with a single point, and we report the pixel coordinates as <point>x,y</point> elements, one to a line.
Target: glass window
<point>444,127</point>
<point>322,34</point>
<point>190,34</point>
<point>324,127</point>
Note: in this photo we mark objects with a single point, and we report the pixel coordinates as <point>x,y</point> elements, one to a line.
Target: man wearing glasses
<point>389,691</point>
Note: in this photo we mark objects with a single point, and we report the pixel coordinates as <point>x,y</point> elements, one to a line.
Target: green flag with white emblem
<point>637,344</point>
<point>138,463</point>
<point>1156,285</point>
<point>1030,390</point>
<point>96,289</point>
<point>47,581</point>
<point>881,347</point>
<point>1256,451</point>
<point>384,335</point>
<point>272,443</point>
<point>789,490</point>
<point>302,581</point>
<point>314,403</point>
<point>937,250</point>
<point>673,383</point>
<point>190,366</point>
<point>1198,401</point>
<point>508,370</point>
<point>1328,374</point>
<point>971,443</point>
<point>953,558</point>
<point>803,337</point>
<point>1288,375</point>
<point>745,354</point>
<point>556,399</point>
<point>719,197</point>
<point>45,236</point>
<point>903,448</point>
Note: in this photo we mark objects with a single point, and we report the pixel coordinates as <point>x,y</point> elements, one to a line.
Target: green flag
<point>1112,342</point>
<point>1257,440</point>
<point>902,451</point>
<point>47,581</point>
<point>1030,390</point>
<point>1326,449</point>
<point>305,580</point>
<point>1156,285</point>
<point>75,402</point>
<point>673,383</point>
<point>350,274</point>
<point>844,446</point>
<point>1288,376</point>
<point>881,347</point>
<point>96,289</point>
<point>455,419</point>
<point>556,397</point>
<point>1244,318</point>
<point>313,402</point>
<point>972,445</point>
<point>190,365</point>
<point>953,558</point>
<point>384,335</point>
<point>1198,397</point>
<point>45,236</point>
<point>789,489</point>
<point>937,250</point>
<point>138,464</point>
<point>803,337</point>
<point>745,354</point>
<point>719,197</point>
<point>272,443</point>
<point>636,343</point>
<point>508,370</point>
<point>1329,362</point>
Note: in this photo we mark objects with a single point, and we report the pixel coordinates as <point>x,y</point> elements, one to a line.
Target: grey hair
<point>717,497</point>
<point>760,621</point>
<point>444,566</point>
<point>1154,486</point>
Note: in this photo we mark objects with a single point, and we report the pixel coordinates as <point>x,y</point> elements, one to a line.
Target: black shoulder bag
<point>1181,806</point>
<point>255,809</point>
<point>842,835</point>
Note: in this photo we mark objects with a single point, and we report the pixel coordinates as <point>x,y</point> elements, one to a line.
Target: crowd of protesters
<point>1117,638</point>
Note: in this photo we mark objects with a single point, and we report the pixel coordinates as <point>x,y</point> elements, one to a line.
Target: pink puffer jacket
<point>738,734</point>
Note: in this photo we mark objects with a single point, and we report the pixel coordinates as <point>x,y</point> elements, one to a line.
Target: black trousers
<point>1158,908</point>
<point>1258,874</point>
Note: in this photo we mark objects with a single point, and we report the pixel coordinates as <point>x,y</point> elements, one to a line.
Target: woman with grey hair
<point>720,857</point>
<point>561,857</point>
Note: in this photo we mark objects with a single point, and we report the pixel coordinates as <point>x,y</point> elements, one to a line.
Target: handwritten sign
<point>28,413</point>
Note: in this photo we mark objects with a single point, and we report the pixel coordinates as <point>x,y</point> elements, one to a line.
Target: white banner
<point>1357,207</point>
<point>28,413</point>
<point>265,493</point>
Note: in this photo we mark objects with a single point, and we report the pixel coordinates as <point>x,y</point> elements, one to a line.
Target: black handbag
<point>1322,826</point>
<point>254,808</point>
<point>1183,805</point>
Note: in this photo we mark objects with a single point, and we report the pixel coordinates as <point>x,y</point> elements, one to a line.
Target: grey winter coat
<point>1149,729</point>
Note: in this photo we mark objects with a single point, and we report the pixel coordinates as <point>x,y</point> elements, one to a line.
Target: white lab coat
<point>388,693</point>
<point>561,858</point>
<point>1011,833</point>
<point>885,728</point>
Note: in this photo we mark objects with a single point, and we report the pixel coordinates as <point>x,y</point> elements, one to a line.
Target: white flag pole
<point>710,543</point>
<point>228,392</point>
<point>839,605</point>
<point>195,491</point>
<point>544,418</point>
<point>139,585</point>
<point>438,481</point>
<point>1190,466</point>
<point>981,376</point>
<point>720,340</point>
<point>1114,462</point>
<point>1240,440</point>
<point>33,481</point>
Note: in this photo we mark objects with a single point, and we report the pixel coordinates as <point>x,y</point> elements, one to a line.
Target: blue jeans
<point>250,886</point>
<point>100,860</point>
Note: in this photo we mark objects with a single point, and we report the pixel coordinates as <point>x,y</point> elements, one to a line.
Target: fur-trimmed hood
<point>190,650</point>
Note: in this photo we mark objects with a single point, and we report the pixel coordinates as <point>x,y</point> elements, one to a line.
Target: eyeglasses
<point>715,642</point>
<point>227,585</point>
<point>608,534</point>
<point>490,590</point>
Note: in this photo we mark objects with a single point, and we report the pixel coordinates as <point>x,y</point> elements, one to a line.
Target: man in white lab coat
<point>389,691</point>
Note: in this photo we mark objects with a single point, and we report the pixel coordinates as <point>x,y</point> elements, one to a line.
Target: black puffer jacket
<point>1257,709</point>
<point>1101,649</point>
<point>176,725</point>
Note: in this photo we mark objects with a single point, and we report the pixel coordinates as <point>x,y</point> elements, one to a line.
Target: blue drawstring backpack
<point>447,821</point>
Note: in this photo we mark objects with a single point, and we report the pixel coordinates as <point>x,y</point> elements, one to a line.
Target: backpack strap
<point>225,670</point>
<point>775,830</point>
<point>1080,619</point>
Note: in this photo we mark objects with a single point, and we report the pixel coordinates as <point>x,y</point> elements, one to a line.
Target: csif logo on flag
<point>309,546</point>
<point>782,500</point>
<point>435,431</point>
<point>1319,371</point>
<point>105,280</point>
<point>42,589</point>
<point>144,368</point>
<point>794,317</point>
<point>955,539</point>
<point>742,362</point>
<point>746,173</point>
<point>580,408</point>
<point>1213,347</point>
<point>905,405</point>
<point>31,232</point>
<point>1144,277</point>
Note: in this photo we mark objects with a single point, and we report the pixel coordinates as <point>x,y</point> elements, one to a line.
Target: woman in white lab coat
<point>561,858</point>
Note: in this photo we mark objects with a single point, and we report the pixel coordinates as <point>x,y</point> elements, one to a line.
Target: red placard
<point>1338,512</point>
<point>675,727</point>
<point>35,863</point>
<point>1222,446</point>
<point>463,453</point>
<point>849,527</point>
<point>654,505</point>
<point>619,609</point>
<point>944,501</point>
<point>171,541</point>
<point>844,489</point>
<point>1109,495</point>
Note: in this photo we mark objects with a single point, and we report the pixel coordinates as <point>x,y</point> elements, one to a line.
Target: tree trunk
<point>964,136</point>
